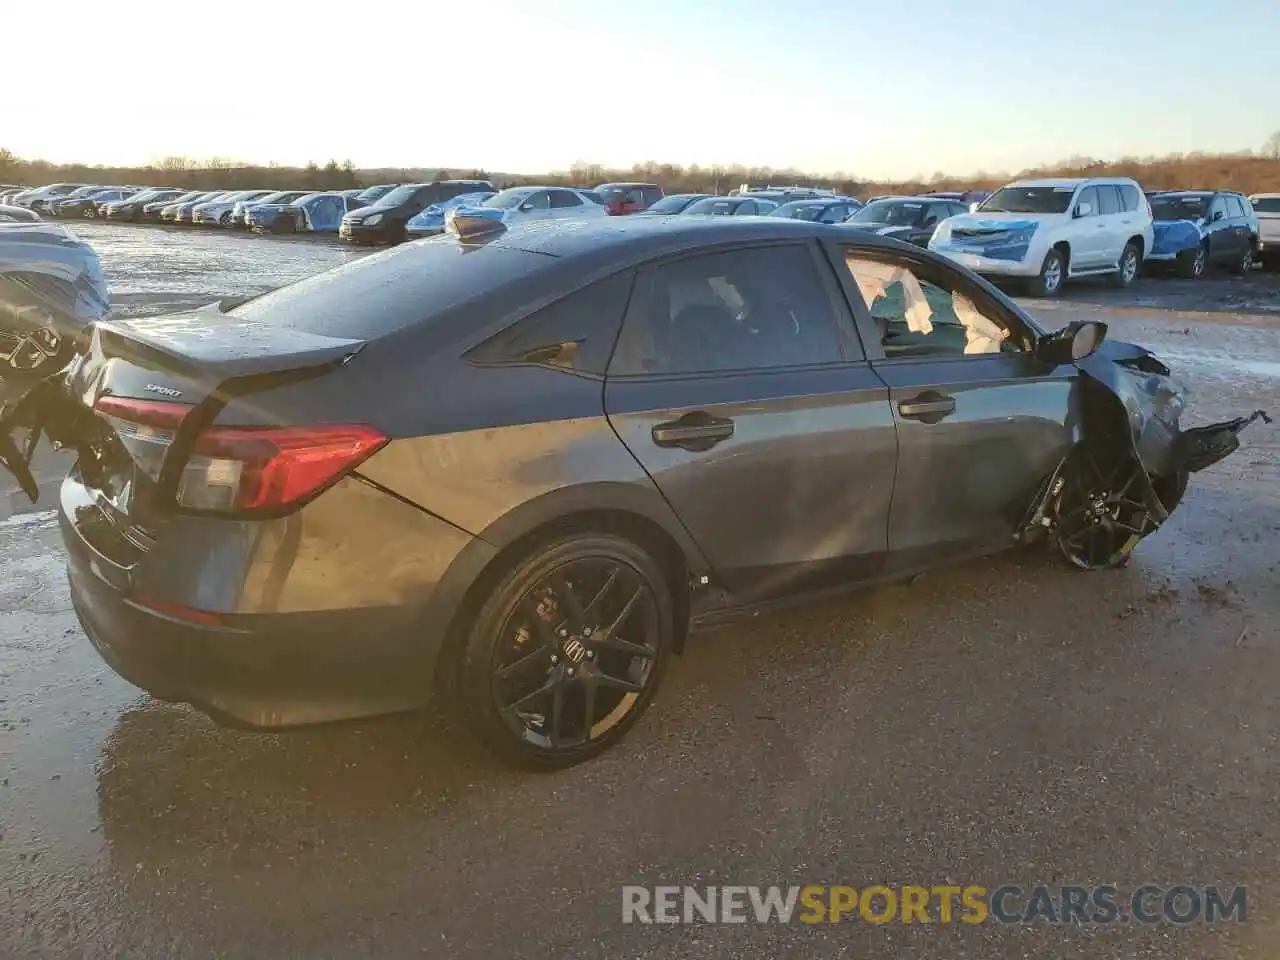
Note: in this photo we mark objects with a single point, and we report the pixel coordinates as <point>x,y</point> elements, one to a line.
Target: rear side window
<point>754,309</point>
<point>386,291</point>
<point>1108,199</point>
<point>1129,197</point>
<point>575,333</point>
<point>1235,208</point>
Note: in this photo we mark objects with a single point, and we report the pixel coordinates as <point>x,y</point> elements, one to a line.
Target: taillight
<point>234,469</point>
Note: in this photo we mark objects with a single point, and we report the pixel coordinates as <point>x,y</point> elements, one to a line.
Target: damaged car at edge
<point>512,467</point>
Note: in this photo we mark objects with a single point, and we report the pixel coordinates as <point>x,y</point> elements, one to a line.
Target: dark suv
<point>383,221</point>
<point>1196,229</point>
<point>624,198</point>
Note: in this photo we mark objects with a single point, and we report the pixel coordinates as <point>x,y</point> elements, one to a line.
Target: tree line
<point>1246,172</point>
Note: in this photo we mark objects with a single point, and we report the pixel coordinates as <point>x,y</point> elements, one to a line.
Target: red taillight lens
<point>235,469</point>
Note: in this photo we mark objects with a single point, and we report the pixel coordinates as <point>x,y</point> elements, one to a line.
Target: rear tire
<point>1129,267</point>
<point>567,651</point>
<point>1243,264</point>
<point>1192,263</point>
<point>1052,274</point>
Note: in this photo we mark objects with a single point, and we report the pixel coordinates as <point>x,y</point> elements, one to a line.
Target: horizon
<point>711,87</point>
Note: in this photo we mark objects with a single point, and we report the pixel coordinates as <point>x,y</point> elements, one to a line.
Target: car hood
<point>58,268</point>
<point>1000,222</point>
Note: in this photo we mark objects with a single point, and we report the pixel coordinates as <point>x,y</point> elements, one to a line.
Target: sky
<point>871,89</point>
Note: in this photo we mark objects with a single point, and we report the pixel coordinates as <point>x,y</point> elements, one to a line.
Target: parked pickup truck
<point>1267,207</point>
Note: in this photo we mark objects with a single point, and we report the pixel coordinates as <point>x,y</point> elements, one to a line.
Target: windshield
<point>373,193</point>
<point>82,192</point>
<point>1177,208</point>
<point>399,195</point>
<point>1265,204</point>
<point>716,206</point>
<point>1029,200</point>
<point>507,199</point>
<point>897,213</point>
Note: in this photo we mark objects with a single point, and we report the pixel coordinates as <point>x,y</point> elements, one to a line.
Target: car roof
<point>624,183</point>
<point>629,240</point>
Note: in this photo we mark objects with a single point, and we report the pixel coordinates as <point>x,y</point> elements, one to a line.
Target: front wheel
<point>35,355</point>
<point>1128,267</point>
<point>567,651</point>
<point>1052,272</point>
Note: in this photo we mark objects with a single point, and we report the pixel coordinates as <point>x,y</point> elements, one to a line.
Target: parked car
<point>383,221</point>
<point>12,214</point>
<point>481,466</point>
<point>36,198</point>
<point>87,207</point>
<point>184,212</point>
<point>430,221</point>
<point>1266,208</point>
<point>218,212</point>
<point>9,193</point>
<point>672,204</point>
<point>827,210</point>
<point>593,196</point>
<point>131,207</point>
<point>1043,232</point>
<point>735,205</point>
<point>240,210</point>
<point>525,204</point>
<point>910,219</point>
<point>154,207</point>
<point>961,196</point>
<point>1197,229</point>
<point>621,199</point>
<point>53,205</point>
<point>313,213</point>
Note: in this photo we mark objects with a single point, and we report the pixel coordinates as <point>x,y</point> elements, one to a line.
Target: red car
<point>624,198</point>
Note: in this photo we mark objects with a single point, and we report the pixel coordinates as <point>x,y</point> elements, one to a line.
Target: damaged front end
<point>1130,464</point>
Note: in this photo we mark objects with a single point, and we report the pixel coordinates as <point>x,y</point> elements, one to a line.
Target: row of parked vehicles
<point>1039,232</point>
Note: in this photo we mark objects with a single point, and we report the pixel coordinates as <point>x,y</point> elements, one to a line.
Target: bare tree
<point>1272,147</point>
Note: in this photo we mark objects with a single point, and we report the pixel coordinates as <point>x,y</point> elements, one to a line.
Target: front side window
<point>565,198</point>
<point>755,309</point>
<point>922,314</point>
<point>1217,209</point>
<point>1108,199</point>
<point>1088,195</point>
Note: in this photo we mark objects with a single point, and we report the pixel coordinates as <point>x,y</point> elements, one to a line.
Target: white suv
<point>1266,206</point>
<point>1046,231</point>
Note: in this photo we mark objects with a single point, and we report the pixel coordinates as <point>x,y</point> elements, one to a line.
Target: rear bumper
<point>298,664</point>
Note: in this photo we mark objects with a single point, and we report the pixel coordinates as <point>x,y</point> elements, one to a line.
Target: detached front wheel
<point>567,651</point>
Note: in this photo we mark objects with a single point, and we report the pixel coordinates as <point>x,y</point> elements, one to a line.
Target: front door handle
<point>693,431</point>
<point>929,407</point>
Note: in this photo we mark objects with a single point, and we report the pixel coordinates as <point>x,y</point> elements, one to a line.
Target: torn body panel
<point>1129,468</point>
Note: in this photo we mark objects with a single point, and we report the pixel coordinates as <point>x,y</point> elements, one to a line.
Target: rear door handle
<point>930,407</point>
<point>693,431</point>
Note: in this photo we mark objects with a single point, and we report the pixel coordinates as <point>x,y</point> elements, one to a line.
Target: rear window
<point>387,291</point>
<point>1266,204</point>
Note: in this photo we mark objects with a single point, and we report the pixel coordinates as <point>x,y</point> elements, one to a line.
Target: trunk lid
<point>146,388</point>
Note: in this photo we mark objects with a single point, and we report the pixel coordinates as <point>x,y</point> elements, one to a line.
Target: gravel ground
<point>1003,721</point>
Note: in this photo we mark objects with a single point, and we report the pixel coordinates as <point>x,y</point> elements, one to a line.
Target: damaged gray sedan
<point>515,466</point>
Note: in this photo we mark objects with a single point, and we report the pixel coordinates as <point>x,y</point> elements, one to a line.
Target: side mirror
<point>1074,342</point>
<point>526,206</point>
<point>1217,215</point>
<point>973,207</point>
<point>1084,209</point>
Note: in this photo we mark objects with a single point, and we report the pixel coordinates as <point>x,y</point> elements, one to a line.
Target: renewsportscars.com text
<point>1147,903</point>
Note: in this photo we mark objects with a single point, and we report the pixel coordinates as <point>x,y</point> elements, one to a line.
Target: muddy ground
<point>1004,721</point>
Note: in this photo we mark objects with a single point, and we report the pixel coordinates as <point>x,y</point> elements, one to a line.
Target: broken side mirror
<point>1074,342</point>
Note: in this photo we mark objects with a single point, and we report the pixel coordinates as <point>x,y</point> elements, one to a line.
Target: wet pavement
<point>1004,721</point>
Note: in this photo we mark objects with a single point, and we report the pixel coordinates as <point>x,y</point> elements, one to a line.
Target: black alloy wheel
<point>568,651</point>
<point>1101,512</point>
